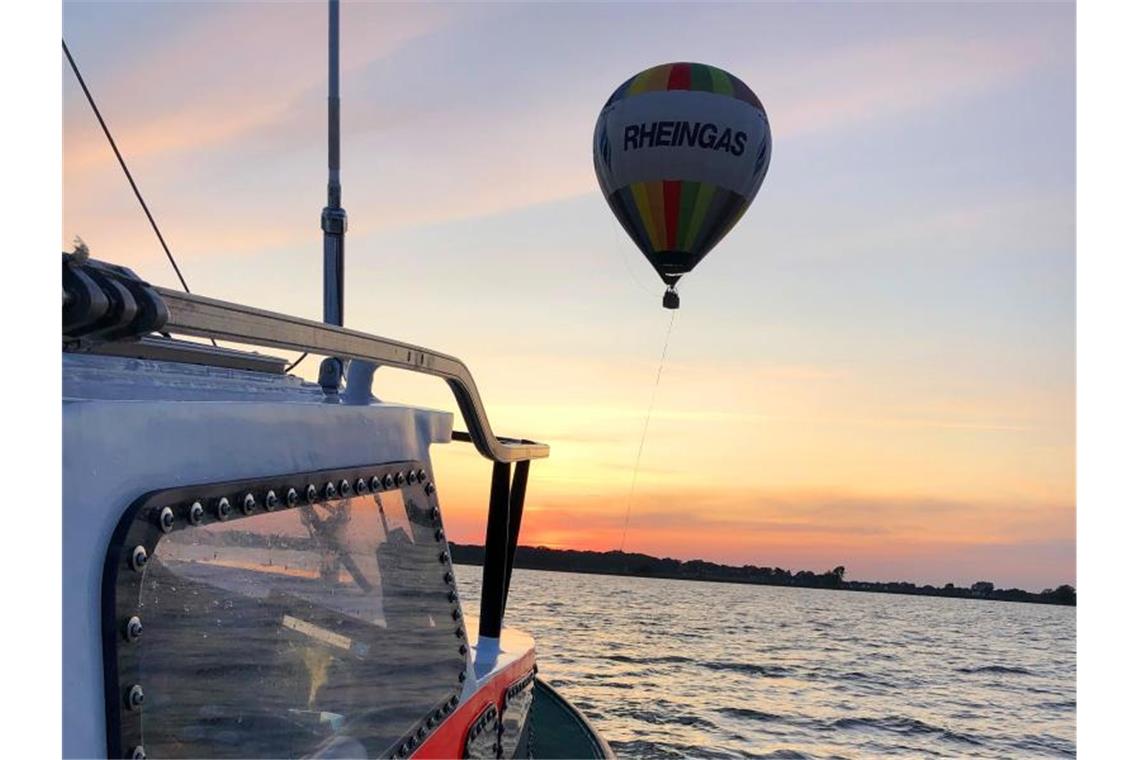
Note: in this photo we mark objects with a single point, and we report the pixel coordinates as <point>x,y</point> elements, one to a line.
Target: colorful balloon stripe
<point>675,215</point>
<point>645,214</point>
<point>671,190</point>
<point>657,209</point>
<point>694,77</point>
<point>681,76</point>
<point>624,208</point>
<point>685,216</point>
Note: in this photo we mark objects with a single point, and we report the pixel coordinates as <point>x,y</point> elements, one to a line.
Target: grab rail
<point>105,304</point>
<point>210,318</point>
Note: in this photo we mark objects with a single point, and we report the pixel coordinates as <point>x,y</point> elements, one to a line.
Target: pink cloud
<point>224,75</point>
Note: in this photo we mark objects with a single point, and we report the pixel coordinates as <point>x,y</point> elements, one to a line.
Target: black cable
<point>294,364</point>
<point>126,171</point>
<point>138,195</point>
<point>123,164</point>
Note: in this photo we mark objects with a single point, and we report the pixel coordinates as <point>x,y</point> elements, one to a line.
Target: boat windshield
<point>322,629</point>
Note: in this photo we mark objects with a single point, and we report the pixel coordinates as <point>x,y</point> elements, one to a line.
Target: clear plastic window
<point>323,629</point>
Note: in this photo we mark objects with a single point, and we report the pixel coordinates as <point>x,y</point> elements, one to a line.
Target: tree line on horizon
<point>643,565</point>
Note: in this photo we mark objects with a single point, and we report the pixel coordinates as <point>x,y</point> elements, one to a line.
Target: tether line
<point>645,431</point>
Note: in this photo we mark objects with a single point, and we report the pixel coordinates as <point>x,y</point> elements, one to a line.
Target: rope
<point>645,430</point>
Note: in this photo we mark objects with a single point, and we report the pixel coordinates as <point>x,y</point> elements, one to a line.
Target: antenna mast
<point>334,220</point>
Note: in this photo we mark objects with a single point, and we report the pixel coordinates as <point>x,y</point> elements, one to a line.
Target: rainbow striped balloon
<point>680,151</point>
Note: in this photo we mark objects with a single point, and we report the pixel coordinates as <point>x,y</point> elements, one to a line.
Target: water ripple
<point>996,669</point>
<point>900,724</point>
<point>744,712</point>
<point>767,671</point>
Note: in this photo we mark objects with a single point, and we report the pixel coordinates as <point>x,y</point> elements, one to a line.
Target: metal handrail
<point>210,318</point>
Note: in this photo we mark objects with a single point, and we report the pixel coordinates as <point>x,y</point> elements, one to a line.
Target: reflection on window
<point>319,629</point>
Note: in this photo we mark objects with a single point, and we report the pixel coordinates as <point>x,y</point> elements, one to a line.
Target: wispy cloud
<point>221,76</point>
<point>861,84</point>
<point>235,101</point>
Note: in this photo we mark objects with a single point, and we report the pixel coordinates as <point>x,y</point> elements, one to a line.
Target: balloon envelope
<point>680,151</point>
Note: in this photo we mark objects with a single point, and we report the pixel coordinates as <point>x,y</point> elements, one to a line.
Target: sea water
<point>667,668</point>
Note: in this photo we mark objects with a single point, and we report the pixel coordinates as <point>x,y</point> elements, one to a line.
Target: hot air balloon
<point>680,151</point>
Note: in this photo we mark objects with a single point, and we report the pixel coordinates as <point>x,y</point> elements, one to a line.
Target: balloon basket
<point>671,299</point>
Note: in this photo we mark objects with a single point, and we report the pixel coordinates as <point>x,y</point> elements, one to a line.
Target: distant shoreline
<point>644,566</point>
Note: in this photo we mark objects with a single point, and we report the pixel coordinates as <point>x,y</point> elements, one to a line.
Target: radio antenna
<point>334,220</point>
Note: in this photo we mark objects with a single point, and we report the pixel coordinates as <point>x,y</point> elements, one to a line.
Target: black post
<point>495,553</point>
<point>334,220</point>
<point>517,500</point>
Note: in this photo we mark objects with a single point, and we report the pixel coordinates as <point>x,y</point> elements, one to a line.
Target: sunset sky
<point>874,369</point>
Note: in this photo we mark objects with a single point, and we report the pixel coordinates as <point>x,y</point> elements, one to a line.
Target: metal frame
<point>187,352</point>
<point>158,513</point>
<point>221,320</point>
<point>504,520</point>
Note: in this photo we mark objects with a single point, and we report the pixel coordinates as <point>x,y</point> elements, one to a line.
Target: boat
<point>256,565</point>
